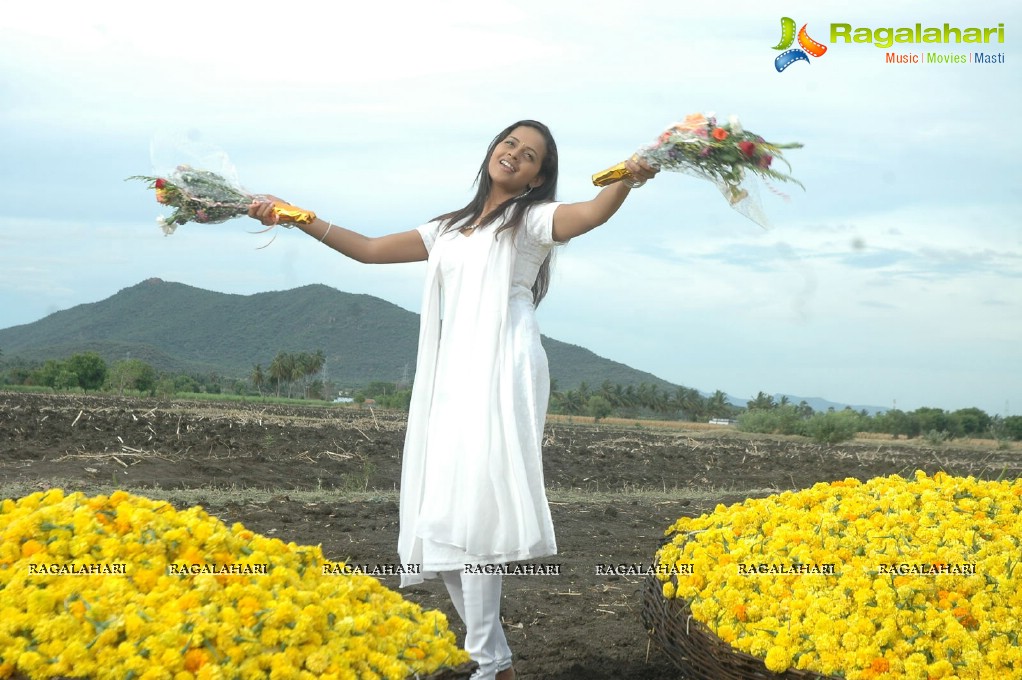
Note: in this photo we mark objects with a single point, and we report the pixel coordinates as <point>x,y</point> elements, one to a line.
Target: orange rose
<point>692,122</point>
<point>720,134</point>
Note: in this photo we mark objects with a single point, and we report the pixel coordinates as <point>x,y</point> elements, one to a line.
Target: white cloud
<point>903,249</point>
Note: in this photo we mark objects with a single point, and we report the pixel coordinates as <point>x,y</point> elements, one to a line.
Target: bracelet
<point>329,226</point>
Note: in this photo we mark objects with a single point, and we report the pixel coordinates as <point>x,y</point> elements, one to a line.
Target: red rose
<point>160,183</point>
<point>764,161</point>
<point>747,148</point>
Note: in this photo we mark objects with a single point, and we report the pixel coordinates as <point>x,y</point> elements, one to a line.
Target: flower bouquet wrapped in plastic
<point>725,154</point>
<point>209,198</point>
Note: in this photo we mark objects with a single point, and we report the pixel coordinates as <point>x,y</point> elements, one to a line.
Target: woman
<point>472,477</point>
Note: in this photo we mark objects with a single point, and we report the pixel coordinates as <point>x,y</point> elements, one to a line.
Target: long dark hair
<point>517,206</point>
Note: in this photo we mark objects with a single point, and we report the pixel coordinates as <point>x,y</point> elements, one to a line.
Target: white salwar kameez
<point>472,478</point>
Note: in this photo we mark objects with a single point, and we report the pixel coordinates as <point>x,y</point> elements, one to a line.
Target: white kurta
<point>472,477</point>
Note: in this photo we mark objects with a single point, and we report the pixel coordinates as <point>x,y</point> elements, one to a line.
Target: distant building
<point>722,421</point>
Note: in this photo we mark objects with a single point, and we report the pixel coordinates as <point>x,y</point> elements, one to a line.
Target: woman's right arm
<point>405,246</point>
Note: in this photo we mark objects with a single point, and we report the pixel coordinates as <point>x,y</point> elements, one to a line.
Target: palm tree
<point>762,401</point>
<point>309,365</point>
<point>607,391</point>
<point>631,397</point>
<point>689,402</point>
<point>717,406</point>
<point>620,395</point>
<point>556,396</point>
<point>656,399</point>
<point>642,399</point>
<point>573,403</point>
<point>258,379</point>
<point>317,362</point>
<point>282,369</point>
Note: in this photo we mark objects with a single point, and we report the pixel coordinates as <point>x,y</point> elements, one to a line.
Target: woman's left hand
<point>640,170</point>
<point>262,209</point>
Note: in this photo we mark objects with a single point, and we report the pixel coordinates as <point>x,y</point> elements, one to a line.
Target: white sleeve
<point>429,232</point>
<point>539,224</point>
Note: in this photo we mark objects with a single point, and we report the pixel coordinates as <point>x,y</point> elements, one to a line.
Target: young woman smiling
<point>472,490</point>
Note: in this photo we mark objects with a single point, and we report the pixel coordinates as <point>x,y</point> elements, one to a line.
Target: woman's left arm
<point>575,219</point>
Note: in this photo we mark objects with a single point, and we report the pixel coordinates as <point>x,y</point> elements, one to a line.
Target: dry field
<point>329,476</point>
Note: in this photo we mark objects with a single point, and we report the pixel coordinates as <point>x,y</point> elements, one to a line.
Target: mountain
<point>818,404</point>
<point>821,405</point>
<point>182,329</point>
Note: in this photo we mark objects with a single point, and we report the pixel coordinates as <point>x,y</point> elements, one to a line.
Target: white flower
<point>167,227</point>
<point>736,125</point>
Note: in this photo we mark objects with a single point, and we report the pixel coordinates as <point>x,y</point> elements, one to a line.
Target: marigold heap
<point>925,584</point>
<point>196,600</point>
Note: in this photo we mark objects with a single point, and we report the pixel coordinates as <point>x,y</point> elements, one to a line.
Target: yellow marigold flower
<point>157,619</point>
<point>920,573</point>
<point>32,547</point>
<point>668,589</point>
<point>778,660</point>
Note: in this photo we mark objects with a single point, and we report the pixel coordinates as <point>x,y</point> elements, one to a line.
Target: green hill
<point>179,328</point>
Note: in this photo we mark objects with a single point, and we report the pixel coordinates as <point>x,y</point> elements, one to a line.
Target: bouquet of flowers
<point>209,198</point>
<point>726,154</point>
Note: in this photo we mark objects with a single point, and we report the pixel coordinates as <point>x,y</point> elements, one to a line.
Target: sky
<point>894,279</point>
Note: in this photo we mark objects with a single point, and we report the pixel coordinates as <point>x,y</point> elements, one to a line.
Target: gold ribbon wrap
<point>611,175</point>
<point>292,213</point>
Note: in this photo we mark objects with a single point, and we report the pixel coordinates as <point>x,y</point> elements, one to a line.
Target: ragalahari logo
<point>808,45</point>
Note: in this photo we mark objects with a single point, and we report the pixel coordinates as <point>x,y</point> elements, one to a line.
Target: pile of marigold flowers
<point>889,578</point>
<point>126,587</point>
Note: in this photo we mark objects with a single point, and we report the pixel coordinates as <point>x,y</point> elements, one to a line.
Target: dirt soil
<point>329,476</point>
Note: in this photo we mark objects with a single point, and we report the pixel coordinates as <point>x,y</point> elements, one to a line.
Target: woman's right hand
<point>262,209</point>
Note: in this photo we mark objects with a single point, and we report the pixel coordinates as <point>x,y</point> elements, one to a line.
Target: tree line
<point>645,400</point>
<point>89,372</point>
<point>288,372</point>
<point>292,374</point>
<point>290,369</point>
<point>764,414</point>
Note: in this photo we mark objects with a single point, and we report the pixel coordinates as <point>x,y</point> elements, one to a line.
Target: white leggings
<point>477,599</point>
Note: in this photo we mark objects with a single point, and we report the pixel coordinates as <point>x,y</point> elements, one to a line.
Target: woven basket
<point>695,649</point>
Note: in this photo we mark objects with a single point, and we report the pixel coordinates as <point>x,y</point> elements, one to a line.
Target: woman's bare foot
<point>506,674</point>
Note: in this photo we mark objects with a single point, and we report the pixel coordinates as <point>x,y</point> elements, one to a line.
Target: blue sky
<point>895,278</point>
